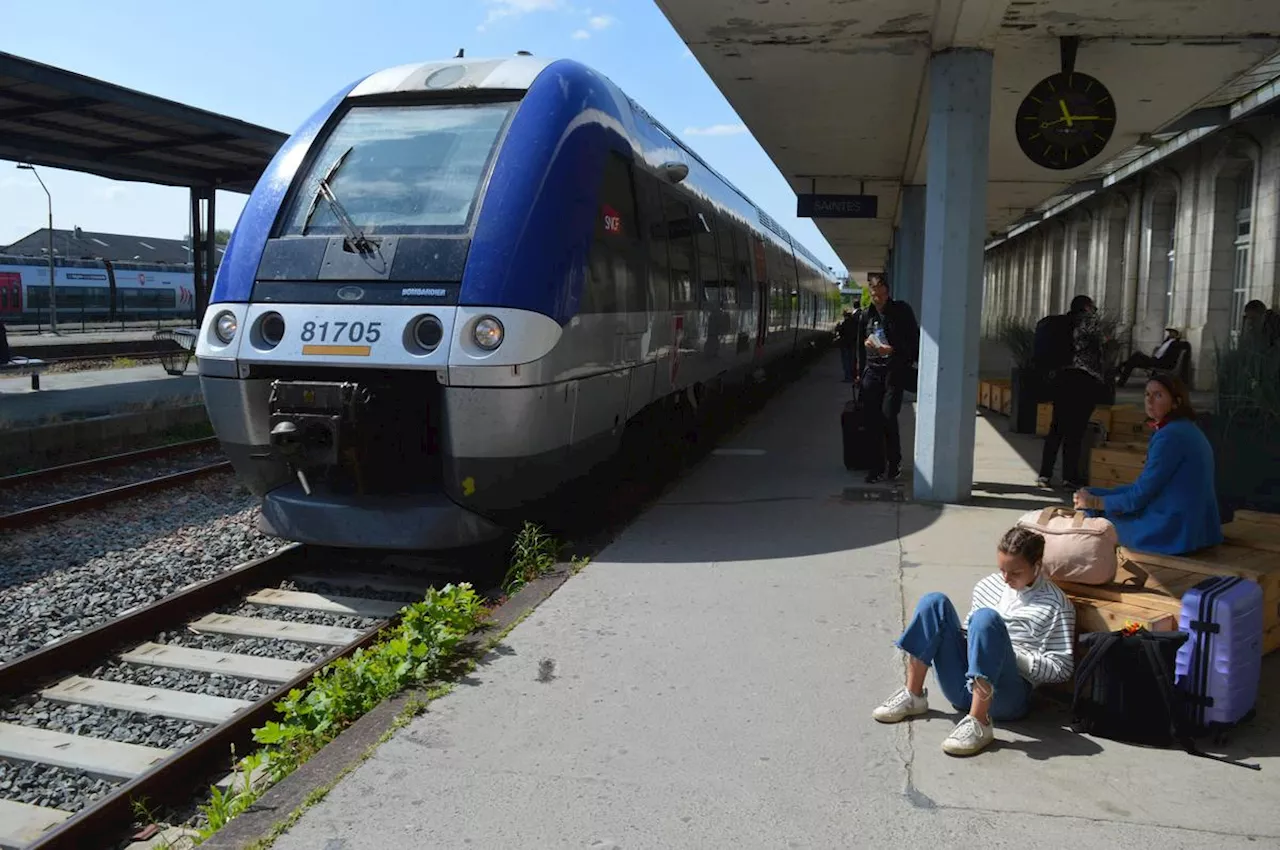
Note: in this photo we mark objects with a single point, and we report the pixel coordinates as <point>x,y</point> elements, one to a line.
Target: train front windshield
<point>399,170</point>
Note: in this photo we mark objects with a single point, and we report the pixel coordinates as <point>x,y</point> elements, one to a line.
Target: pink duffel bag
<point>1077,548</point>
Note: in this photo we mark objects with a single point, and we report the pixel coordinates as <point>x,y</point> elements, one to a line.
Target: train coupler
<point>313,423</point>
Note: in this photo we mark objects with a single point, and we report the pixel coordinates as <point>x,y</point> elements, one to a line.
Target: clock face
<point>1065,121</point>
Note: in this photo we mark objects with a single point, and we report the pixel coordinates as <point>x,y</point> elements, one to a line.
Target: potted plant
<point>1244,428</point>
<point>1019,337</point>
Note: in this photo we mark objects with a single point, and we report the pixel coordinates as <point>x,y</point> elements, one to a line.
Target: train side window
<point>650,197</point>
<point>680,244</point>
<point>743,259</point>
<point>613,284</point>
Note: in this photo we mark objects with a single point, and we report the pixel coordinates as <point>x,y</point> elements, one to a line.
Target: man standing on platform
<point>1076,377</point>
<point>892,341</point>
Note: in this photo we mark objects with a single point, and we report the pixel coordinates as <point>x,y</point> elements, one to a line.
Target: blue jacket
<point>1172,508</point>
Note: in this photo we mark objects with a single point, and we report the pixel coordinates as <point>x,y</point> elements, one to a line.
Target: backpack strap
<point>1165,687</point>
<point>1092,659</point>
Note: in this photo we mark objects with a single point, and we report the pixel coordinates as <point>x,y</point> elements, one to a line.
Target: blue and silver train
<point>457,283</point>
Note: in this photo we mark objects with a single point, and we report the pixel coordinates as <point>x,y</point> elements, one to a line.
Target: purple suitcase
<point>1219,667</point>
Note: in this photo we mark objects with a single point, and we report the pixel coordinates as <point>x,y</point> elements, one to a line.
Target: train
<point>94,290</point>
<point>457,285</point>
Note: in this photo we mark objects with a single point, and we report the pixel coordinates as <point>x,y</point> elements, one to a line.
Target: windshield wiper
<point>358,240</point>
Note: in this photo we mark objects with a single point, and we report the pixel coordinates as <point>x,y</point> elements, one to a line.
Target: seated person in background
<point>1259,326</point>
<point>1165,356</point>
<point>1172,508</point>
<point>1020,632</point>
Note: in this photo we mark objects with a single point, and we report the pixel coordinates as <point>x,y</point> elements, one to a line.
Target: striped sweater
<point>1041,622</point>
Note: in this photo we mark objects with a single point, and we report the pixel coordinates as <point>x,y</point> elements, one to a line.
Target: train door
<point>762,294</point>
<point>10,293</point>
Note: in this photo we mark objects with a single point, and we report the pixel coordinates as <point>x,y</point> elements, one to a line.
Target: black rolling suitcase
<point>858,446</point>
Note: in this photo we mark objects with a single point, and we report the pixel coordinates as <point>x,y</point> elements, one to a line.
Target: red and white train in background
<point>94,290</point>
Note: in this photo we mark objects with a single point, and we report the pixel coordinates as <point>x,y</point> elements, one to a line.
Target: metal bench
<point>176,361</point>
<point>25,366</point>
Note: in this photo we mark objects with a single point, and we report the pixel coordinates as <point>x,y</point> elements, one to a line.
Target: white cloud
<point>716,130</point>
<point>581,34</point>
<point>600,22</point>
<point>499,9</point>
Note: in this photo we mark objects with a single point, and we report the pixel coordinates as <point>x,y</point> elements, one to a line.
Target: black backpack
<point>1054,343</point>
<point>1124,691</point>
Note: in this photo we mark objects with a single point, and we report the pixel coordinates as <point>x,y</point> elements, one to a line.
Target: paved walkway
<point>712,675</point>
<point>93,393</point>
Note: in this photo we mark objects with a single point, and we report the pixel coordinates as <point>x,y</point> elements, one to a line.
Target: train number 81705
<point>351,332</point>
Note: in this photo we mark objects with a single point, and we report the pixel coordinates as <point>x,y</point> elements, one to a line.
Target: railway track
<point>35,514</point>
<point>170,776</point>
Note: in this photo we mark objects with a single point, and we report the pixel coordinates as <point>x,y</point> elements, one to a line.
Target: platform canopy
<point>837,92</point>
<point>56,118</point>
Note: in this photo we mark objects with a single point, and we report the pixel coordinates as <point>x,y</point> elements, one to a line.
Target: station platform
<point>30,344</point>
<point>100,392</point>
<point>708,680</point>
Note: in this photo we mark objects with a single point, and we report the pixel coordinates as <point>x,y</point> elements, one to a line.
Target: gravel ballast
<point>51,787</point>
<point>74,484</point>
<point>83,570</point>
<point>92,721</point>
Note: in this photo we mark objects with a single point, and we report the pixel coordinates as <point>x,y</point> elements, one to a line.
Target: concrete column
<point>909,248</point>
<point>955,223</point>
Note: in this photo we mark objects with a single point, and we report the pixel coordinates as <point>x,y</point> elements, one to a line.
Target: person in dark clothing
<point>1260,326</point>
<point>848,339</point>
<point>1165,357</point>
<point>1075,391</point>
<point>892,340</point>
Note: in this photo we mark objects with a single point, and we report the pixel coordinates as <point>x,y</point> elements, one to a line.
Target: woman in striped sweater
<point>1019,633</point>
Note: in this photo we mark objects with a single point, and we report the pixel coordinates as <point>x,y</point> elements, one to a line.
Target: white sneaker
<point>969,737</point>
<point>901,705</point>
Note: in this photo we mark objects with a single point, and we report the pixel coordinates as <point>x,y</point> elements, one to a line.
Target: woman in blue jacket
<point>1172,508</point>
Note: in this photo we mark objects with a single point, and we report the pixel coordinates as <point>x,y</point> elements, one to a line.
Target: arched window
<point>1240,268</point>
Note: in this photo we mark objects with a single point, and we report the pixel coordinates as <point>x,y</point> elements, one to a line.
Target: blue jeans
<point>934,637</point>
<point>846,361</point>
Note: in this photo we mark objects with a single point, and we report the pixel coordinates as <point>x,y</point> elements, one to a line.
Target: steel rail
<point>33,516</point>
<point>107,461</point>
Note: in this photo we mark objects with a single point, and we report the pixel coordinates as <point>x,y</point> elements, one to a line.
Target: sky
<point>273,62</point>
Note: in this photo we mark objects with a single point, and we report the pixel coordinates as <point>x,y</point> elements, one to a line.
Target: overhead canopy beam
<point>53,117</point>
<point>1209,116</point>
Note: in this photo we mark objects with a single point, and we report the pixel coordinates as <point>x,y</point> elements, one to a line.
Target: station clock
<point>1065,121</point>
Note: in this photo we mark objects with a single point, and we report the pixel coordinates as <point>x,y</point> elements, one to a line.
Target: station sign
<point>836,206</point>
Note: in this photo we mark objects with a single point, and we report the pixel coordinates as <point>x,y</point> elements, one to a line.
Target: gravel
<point>51,787</point>
<point>210,684</point>
<point>75,573</point>
<point>72,484</point>
<point>297,615</point>
<point>125,726</point>
<point>258,647</point>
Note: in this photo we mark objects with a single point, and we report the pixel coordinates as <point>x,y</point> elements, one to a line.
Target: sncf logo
<point>612,221</point>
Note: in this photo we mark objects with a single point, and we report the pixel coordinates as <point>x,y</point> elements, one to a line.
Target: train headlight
<point>224,326</point>
<point>488,333</point>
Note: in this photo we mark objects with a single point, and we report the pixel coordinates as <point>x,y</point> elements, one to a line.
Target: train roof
<point>518,73</point>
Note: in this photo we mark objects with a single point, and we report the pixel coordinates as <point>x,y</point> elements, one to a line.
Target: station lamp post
<point>53,302</point>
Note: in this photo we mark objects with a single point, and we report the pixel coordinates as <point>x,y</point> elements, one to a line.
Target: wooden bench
<point>1116,464</point>
<point>25,366</point>
<point>1251,550</point>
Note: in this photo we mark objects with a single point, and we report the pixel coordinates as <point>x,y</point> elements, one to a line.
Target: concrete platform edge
<point>56,443</point>
<point>360,740</point>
